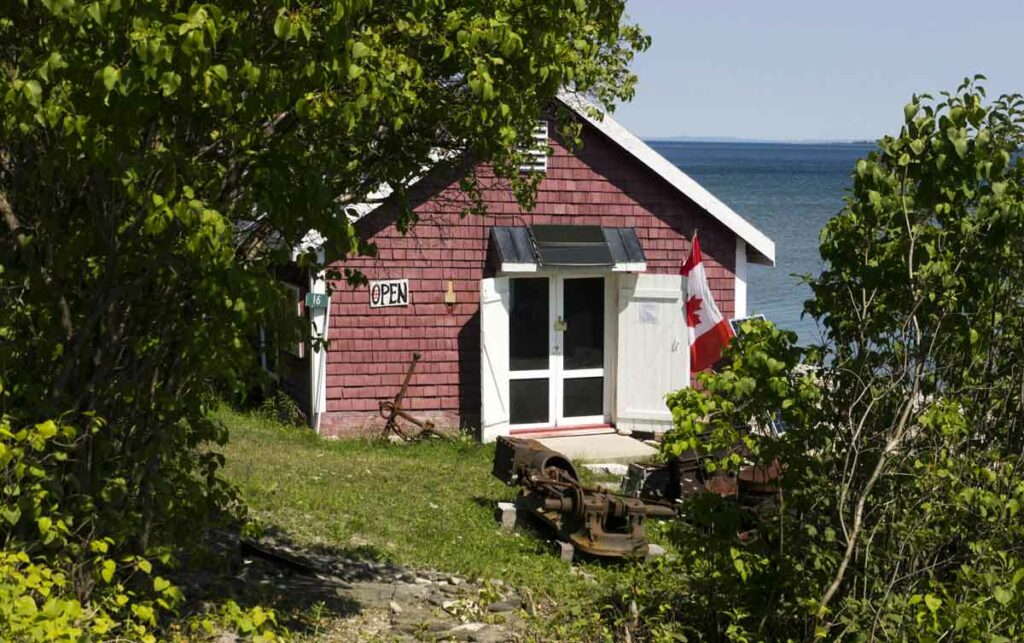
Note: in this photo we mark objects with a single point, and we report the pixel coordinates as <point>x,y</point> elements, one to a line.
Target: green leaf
<point>33,92</point>
<point>160,584</point>
<point>282,26</point>
<point>95,11</point>
<point>960,145</point>
<point>220,71</point>
<point>44,524</point>
<point>875,198</point>
<point>1002,595</point>
<point>110,77</point>
<point>145,566</point>
<point>169,83</point>
<point>933,602</point>
<point>47,429</point>
<point>359,50</point>
<point>910,111</point>
<point>11,514</point>
<point>107,570</point>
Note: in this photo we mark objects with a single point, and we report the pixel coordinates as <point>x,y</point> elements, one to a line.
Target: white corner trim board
<point>757,240</point>
<point>319,320</point>
<point>740,294</point>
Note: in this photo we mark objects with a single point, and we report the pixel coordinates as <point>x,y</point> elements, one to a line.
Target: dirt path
<point>334,597</point>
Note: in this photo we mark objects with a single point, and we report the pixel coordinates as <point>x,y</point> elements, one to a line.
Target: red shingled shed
<point>565,318</point>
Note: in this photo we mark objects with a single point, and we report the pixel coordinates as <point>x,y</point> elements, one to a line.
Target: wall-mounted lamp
<point>449,295</point>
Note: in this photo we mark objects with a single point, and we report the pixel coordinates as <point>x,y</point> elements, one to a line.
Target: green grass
<point>423,505</point>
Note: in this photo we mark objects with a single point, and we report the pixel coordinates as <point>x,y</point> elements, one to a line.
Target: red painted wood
<point>370,348</point>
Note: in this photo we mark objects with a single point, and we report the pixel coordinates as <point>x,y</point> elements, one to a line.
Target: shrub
<point>903,458</point>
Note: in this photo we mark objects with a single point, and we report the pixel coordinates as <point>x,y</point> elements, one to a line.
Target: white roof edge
<point>312,240</point>
<point>756,240</point>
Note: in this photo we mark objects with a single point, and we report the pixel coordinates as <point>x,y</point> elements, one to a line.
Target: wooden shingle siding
<point>370,348</point>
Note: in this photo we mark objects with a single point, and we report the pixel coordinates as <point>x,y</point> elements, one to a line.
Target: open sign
<point>393,292</point>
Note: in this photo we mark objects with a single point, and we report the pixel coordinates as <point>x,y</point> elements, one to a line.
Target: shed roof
<point>760,248</point>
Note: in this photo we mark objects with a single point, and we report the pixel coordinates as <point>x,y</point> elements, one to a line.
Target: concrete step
<point>609,447</point>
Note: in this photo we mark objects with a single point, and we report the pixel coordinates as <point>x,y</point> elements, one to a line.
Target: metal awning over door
<point>536,247</point>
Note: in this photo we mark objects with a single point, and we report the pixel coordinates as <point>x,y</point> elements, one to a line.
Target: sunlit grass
<point>423,505</point>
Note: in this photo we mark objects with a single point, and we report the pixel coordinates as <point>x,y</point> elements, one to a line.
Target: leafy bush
<point>158,161</point>
<point>903,459</point>
<point>52,560</point>
<point>37,604</point>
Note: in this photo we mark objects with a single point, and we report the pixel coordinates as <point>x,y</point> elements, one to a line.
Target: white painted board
<point>653,356</point>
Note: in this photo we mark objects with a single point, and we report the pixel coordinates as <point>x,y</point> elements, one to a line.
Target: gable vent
<point>537,153</point>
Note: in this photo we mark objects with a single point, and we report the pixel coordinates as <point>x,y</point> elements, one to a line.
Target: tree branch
<point>14,226</point>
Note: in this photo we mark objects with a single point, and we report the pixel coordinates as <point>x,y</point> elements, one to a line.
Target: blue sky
<point>796,69</point>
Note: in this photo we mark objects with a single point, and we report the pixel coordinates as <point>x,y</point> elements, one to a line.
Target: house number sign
<point>317,300</point>
<point>393,292</point>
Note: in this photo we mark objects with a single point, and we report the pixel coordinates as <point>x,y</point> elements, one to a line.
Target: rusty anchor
<point>590,519</point>
<point>391,410</point>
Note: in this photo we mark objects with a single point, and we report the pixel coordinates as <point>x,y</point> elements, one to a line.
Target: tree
<point>158,158</point>
<point>899,514</point>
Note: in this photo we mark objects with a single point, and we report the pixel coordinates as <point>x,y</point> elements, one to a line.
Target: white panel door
<point>653,355</point>
<point>494,367</point>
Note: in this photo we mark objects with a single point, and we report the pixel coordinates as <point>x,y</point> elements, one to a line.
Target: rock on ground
<point>360,600</point>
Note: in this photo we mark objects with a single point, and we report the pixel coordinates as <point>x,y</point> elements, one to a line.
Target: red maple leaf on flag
<point>692,308</point>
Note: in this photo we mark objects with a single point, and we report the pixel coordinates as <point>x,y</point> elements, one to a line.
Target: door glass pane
<point>528,401</point>
<point>528,324</point>
<point>584,319</point>
<point>583,396</point>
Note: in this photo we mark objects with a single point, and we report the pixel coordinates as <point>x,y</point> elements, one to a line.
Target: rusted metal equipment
<point>392,410</point>
<point>591,519</point>
<point>685,476</point>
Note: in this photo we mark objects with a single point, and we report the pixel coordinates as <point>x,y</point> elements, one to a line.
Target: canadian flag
<point>709,331</point>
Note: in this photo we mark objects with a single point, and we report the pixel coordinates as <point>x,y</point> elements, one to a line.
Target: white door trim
<point>562,420</point>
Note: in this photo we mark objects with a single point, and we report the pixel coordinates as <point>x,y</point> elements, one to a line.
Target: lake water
<point>788,191</point>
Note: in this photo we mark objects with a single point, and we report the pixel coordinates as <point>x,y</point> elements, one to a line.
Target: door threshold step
<point>567,432</point>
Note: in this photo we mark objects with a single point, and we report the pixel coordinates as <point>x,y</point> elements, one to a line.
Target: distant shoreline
<point>757,141</point>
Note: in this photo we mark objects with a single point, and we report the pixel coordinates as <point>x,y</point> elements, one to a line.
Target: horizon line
<point>741,139</point>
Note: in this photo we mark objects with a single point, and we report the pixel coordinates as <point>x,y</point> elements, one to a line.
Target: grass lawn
<point>424,505</point>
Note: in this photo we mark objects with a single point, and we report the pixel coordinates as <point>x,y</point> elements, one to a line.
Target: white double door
<point>556,351</point>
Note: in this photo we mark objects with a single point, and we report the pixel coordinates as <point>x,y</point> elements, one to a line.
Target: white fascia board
<point>518,267</point>
<point>356,211</point>
<point>630,267</point>
<point>763,247</point>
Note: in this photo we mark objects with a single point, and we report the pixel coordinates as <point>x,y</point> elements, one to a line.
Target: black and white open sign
<point>393,292</point>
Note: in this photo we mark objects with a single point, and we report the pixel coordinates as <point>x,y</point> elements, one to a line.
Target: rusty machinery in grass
<point>590,519</point>
<point>600,523</point>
